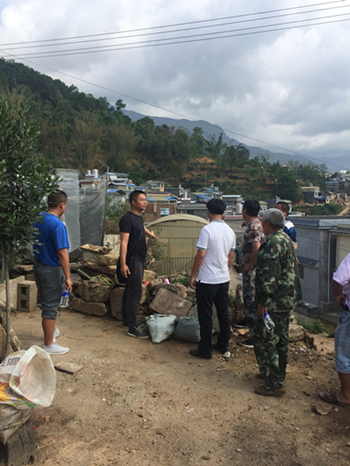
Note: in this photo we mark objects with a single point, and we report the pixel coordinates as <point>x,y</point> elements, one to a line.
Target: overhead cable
<point>17,46</point>
<point>179,40</point>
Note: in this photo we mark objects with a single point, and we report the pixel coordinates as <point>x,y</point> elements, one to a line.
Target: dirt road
<point>137,403</point>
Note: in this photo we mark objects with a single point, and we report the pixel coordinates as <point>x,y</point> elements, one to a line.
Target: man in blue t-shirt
<point>51,268</point>
<point>289,228</point>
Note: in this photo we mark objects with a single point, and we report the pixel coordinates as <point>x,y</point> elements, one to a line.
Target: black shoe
<point>138,332</point>
<point>197,354</point>
<point>248,343</point>
<point>219,349</point>
<point>240,324</point>
<point>125,326</point>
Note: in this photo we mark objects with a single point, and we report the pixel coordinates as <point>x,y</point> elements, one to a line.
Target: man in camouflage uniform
<point>252,239</point>
<point>278,291</point>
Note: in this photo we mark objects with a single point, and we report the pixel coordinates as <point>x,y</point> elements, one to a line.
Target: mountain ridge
<point>210,129</point>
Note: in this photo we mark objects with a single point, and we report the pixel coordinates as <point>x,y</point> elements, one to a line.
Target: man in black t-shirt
<point>133,249</point>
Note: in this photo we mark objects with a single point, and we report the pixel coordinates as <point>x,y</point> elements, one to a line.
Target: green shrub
<point>183,280</point>
<point>315,327</point>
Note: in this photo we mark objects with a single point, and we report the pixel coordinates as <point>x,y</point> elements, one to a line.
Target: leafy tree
<point>119,105</point>
<point>311,173</point>
<point>325,209</point>
<point>294,165</point>
<point>25,178</point>
<point>215,148</point>
<point>197,143</point>
<point>137,176</point>
<point>286,185</point>
<point>237,156</point>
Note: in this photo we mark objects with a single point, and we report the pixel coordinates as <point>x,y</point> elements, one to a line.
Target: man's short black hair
<point>252,206</point>
<point>216,206</point>
<point>284,206</point>
<point>134,195</point>
<point>55,199</point>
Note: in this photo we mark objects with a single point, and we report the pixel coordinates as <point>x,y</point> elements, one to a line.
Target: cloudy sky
<point>277,71</point>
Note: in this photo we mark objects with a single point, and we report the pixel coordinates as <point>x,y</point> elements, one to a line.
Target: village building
<point>310,192</point>
<point>234,203</point>
<point>323,243</point>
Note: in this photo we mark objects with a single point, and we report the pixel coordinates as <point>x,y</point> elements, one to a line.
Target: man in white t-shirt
<point>216,245</point>
<point>341,291</point>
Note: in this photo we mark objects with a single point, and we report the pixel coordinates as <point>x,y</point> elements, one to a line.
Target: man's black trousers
<point>132,293</point>
<point>206,296</point>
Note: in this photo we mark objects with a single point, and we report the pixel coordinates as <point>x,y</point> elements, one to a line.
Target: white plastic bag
<point>161,327</point>
<point>34,377</point>
<point>27,379</point>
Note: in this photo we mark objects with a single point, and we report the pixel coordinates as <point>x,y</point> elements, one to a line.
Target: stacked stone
<point>92,295</point>
<point>116,296</point>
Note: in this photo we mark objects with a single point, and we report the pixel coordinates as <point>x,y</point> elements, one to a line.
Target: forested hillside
<point>82,132</point>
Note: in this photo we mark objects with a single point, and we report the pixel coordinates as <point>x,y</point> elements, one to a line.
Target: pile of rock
<point>93,278</point>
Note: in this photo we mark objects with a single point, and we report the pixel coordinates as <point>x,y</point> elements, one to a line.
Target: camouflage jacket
<point>277,276</point>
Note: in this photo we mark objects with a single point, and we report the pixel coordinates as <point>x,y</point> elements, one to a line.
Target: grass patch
<point>183,280</point>
<point>315,327</point>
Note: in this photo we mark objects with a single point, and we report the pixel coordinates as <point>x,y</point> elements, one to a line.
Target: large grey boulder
<point>296,332</point>
<point>106,269</point>
<point>145,294</point>
<point>148,276</point>
<point>176,288</point>
<point>116,297</point>
<point>101,259</point>
<point>98,293</point>
<point>153,283</point>
<point>92,308</point>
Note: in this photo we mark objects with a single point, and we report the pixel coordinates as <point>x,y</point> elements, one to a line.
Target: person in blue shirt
<point>289,228</point>
<point>51,267</point>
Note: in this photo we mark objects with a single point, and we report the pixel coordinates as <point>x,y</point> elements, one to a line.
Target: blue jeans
<point>342,344</point>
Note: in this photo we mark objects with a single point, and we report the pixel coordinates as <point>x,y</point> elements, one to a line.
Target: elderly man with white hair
<point>278,291</point>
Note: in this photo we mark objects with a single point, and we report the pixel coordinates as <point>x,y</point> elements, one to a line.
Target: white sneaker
<point>56,334</point>
<point>55,349</point>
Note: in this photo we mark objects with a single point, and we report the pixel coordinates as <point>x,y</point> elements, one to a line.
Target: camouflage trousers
<point>271,349</point>
<point>248,292</point>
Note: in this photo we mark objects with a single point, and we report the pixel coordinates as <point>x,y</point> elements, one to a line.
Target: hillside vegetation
<point>82,132</point>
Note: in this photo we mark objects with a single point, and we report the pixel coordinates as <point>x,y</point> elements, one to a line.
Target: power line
<point>17,45</point>
<point>189,39</point>
<point>176,24</point>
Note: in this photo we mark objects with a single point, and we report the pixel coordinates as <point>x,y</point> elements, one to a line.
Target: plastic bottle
<point>64,298</point>
<point>270,324</point>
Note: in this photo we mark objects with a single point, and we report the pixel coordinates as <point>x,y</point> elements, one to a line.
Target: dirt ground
<point>134,402</point>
